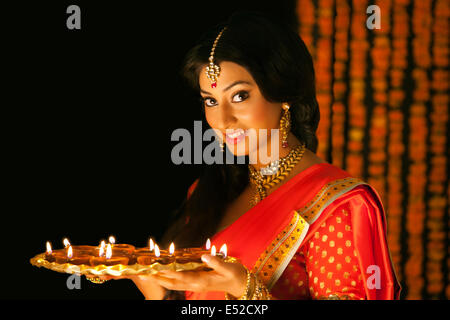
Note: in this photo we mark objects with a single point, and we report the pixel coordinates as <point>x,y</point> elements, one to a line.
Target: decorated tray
<point>121,260</point>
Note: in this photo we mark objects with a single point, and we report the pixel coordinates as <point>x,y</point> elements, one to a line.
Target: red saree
<point>322,233</point>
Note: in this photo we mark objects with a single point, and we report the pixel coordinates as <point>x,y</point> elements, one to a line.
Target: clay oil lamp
<point>107,258</point>
<point>121,250</point>
<point>71,258</point>
<point>165,257</point>
<point>49,256</point>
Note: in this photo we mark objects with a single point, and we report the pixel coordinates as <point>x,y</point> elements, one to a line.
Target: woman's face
<point>236,105</point>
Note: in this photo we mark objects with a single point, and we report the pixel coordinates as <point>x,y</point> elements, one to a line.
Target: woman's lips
<point>235,136</point>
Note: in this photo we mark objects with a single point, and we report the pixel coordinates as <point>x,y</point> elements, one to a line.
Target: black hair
<point>282,67</point>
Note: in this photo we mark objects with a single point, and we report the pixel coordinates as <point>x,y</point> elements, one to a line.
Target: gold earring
<point>222,147</point>
<point>285,124</point>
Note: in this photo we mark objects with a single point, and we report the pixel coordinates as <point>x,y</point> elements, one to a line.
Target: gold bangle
<point>261,291</point>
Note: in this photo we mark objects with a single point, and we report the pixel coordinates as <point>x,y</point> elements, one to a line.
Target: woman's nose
<point>225,118</point>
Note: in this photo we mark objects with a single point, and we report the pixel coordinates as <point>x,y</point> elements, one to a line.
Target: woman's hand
<point>148,287</point>
<point>225,276</point>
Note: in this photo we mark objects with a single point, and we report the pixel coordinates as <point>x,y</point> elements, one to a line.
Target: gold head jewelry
<point>213,70</point>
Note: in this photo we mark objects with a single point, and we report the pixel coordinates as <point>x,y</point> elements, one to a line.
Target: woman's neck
<point>282,152</point>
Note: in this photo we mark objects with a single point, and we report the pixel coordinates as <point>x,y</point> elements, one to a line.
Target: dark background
<point>88,116</point>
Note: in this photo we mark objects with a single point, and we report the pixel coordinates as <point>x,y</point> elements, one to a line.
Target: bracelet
<point>255,289</point>
<point>261,291</point>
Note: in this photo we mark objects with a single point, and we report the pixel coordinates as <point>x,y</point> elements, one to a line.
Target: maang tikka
<point>213,70</point>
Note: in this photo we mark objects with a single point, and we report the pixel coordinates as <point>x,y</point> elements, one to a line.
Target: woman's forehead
<point>230,73</point>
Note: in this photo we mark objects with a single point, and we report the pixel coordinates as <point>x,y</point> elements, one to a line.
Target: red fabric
<point>355,243</point>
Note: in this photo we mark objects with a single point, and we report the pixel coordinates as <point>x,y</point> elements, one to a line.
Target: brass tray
<point>118,269</point>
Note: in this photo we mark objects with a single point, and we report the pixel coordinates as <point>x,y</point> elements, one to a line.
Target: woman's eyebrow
<point>229,87</point>
<point>235,84</point>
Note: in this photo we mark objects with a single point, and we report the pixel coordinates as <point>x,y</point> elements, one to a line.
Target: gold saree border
<point>275,259</point>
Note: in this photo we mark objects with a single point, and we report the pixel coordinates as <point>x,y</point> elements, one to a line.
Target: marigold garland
<point>406,95</point>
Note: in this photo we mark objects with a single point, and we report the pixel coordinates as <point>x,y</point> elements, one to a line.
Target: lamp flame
<point>108,251</point>
<point>208,244</point>
<point>112,240</point>
<point>70,252</point>
<point>213,250</point>
<point>66,242</point>
<point>49,248</point>
<point>152,245</point>
<point>157,253</point>
<point>223,250</point>
<point>171,248</point>
<point>101,251</point>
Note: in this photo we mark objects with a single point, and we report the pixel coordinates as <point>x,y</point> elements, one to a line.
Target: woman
<point>300,227</point>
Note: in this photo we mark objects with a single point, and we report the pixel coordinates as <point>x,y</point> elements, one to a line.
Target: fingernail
<point>206,258</point>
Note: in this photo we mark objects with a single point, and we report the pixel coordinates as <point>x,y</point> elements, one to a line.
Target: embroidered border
<point>280,249</point>
<point>330,192</point>
<point>274,260</point>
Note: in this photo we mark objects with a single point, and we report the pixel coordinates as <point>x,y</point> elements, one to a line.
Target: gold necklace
<point>281,167</point>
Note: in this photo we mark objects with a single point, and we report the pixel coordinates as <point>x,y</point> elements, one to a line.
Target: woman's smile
<point>235,136</point>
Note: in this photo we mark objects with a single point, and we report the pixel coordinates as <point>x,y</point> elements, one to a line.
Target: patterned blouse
<point>325,266</point>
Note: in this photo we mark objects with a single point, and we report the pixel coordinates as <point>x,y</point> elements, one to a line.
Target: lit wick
<point>157,252</point>
<point>108,251</point>
<point>152,245</point>
<point>213,250</point>
<point>70,253</point>
<point>208,244</point>
<point>48,254</point>
<point>66,242</point>
<point>112,240</point>
<point>101,251</point>
<point>223,250</point>
<point>49,248</point>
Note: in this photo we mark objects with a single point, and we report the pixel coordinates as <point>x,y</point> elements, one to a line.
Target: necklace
<point>274,173</point>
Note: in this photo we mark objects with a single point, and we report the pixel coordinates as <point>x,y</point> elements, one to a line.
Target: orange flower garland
<point>438,203</point>
<point>384,98</point>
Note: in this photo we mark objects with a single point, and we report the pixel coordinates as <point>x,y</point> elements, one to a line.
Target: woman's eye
<point>210,102</point>
<point>240,96</point>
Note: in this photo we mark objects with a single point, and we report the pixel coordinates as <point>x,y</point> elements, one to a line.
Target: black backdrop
<point>88,116</point>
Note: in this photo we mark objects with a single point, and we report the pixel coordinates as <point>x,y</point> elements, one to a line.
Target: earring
<point>285,124</point>
<point>222,147</point>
